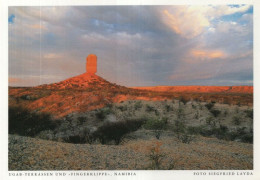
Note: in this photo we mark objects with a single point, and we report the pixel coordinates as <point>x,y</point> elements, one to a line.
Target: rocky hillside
<point>88,92</point>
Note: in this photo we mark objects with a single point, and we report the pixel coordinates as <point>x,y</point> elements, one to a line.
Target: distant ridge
<point>199,89</point>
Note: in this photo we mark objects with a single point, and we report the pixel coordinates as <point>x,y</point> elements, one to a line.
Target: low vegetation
<point>26,123</point>
<point>116,131</point>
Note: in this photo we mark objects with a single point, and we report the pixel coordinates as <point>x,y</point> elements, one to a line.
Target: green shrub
<point>155,124</point>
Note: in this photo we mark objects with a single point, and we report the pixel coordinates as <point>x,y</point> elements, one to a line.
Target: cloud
<point>13,80</point>
<point>135,45</point>
<point>37,26</point>
<point>216,11</point>
<point>52,56</point>
<point>191,21</point>
<point>207,54</point>
<point>186,21</point>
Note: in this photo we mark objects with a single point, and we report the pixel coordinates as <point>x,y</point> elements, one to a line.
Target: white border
<point>140,174</point>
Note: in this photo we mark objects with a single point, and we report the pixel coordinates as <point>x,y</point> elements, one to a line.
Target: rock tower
<point>91,65</point>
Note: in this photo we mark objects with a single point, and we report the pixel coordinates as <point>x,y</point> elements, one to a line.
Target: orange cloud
<point>173,22</point>
<point>52,56</point>
<point>206,54</point>
<point>37,26</point>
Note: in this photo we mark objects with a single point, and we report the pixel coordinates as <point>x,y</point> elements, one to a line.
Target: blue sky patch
<point>11,19</point>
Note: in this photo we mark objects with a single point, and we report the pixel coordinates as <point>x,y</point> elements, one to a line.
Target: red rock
<point>91,65</point>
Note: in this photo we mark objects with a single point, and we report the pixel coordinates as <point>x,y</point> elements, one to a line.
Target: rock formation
<point>91,65</point>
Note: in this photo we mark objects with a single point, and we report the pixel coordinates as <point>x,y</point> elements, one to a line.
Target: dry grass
<point>202,153</point>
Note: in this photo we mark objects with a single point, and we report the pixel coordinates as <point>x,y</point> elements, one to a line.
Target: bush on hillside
<point>209,106</point>
<point>155,124</point>
<point>249,113</point>
<point>215,112</point>
<point>102,113</point>
<point>26,123</point>
<point>115,131</point>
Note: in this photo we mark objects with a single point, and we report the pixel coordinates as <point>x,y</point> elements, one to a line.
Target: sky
<point>135,45</point>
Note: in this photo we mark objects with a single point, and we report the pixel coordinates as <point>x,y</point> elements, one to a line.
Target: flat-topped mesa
<point>91,65</point>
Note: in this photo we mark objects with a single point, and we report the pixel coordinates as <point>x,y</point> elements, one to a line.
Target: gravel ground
<point>202,153</point>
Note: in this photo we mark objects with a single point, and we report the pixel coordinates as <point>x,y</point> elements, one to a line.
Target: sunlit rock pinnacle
<point>91,65</point>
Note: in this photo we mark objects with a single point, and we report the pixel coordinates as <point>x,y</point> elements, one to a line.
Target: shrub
<point>116,130</point>
<point>28,97</point>
<point>26,123</point>
<point>156,156</point>
<point>195,129</point>
<point>122,108</point>
<point>196,115</point>
<point>215,112</point>
<point>247,138</point>
<point>183,100</point>
<point>168,108</point>
<point>180,113</point>
<point>210,121</point>
<point>76,139</point>
<point>236,120</point>
<point>249,113</point>
<point>82,119</point>
<point>225,112</point>
<point>138,105</point>
<point>149,108</point>
<point>222,132</point>
<point>102,113</point>
<point>186,138</point>
<point>155,124</point>
<point>242,135</point>
<point>179,127</point>
<point>157,113</point>
<point>209,106</point>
